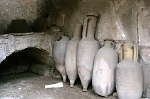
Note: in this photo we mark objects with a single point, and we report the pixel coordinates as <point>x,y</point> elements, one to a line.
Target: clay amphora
<point>71,55</point>
<point>59,55</point>
<point>129,75</point>
<point>87,50</point>
<point>105,63</point>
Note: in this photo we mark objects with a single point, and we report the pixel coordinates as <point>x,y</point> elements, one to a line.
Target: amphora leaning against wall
<point>87,50</point>
<point>59,55</point>
<point>129,74</point>
<point>105,62</point>
<point>71,55</point>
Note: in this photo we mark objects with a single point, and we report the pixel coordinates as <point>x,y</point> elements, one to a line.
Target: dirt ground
<point>32,86</point>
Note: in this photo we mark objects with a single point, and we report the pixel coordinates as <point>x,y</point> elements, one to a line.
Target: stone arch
<point>28,44</point>
<point>10,43</point>
<point>30,59</point>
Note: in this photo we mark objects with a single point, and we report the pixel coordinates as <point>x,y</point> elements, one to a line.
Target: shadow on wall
<point>28,60</point>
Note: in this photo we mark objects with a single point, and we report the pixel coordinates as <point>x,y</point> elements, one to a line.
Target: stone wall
<point>144,37</point>
<point>16,9</point>
<point>113,14</point>
<point>29,10</point>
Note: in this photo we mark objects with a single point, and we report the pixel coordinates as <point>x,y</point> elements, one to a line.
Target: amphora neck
<point>90,25</point>
<point>128,51</point>
<point>109,44</point>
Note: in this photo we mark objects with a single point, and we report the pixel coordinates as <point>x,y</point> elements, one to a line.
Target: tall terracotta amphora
<point>59,55</point>
<point>105,62</point>
<point>87,50</point>
<point>71,55</point>
<point>129,74</point>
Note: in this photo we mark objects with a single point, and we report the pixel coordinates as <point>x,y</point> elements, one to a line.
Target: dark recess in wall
<point>22,61</point>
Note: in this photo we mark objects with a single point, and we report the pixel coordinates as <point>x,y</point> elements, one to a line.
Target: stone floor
<point>32,86</point>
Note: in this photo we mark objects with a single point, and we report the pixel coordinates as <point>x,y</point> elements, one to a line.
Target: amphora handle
<point>121,52</point>
<point>85,27</point>
<point>135,51</point>
<point>113,44</point>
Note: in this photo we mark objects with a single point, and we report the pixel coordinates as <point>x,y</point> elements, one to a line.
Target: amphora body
<point>87,50</point>
<point>103,78</point>
<point>59,55</point>
<point>129,75</point>
<point>71,56</point>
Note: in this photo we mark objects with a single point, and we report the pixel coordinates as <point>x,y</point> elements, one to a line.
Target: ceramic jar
<point>71,55</point>
<point>129,74</point>
<point>87,49</point>
<point>105,62</point>
<point>59,55</point>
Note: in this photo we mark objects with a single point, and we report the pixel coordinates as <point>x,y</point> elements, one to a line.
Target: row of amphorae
<point>84,58</point>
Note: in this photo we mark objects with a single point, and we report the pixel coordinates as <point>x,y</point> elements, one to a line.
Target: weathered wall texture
<point>144,37</point>
<point>29,10</point>
<point>16,9</point>
<point>120,20</point>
